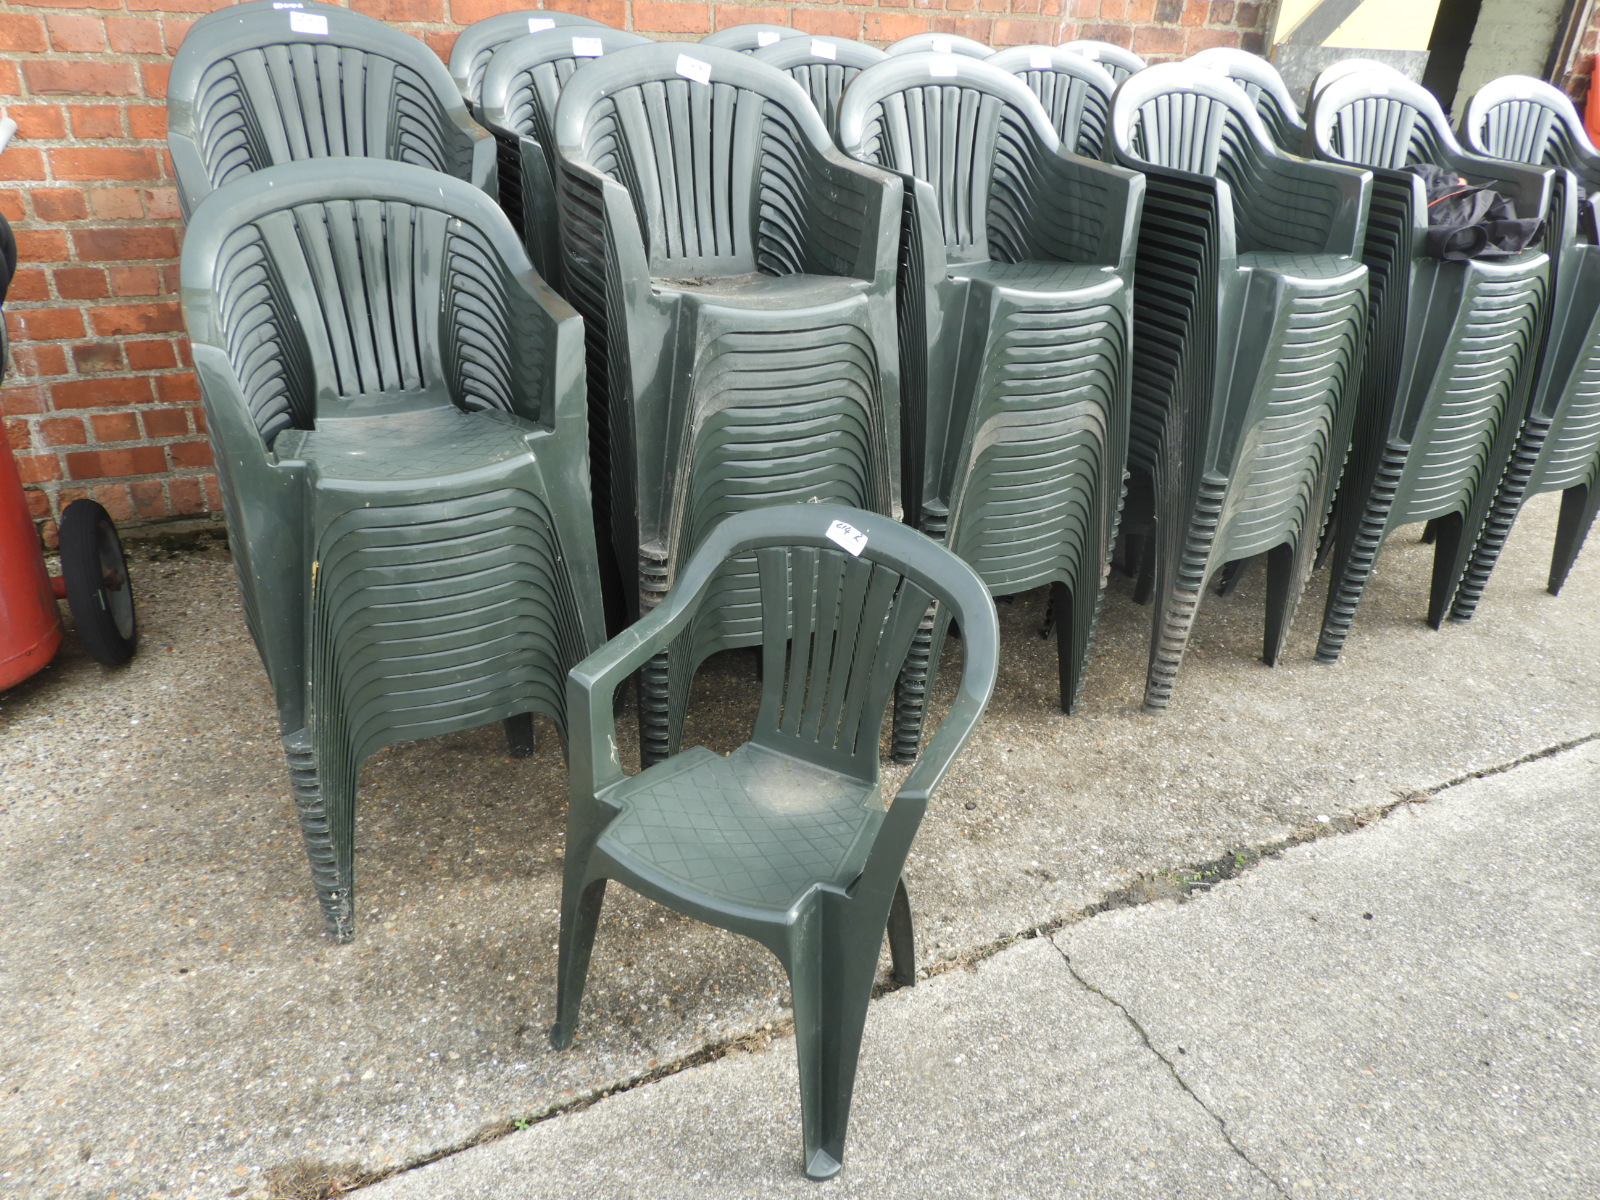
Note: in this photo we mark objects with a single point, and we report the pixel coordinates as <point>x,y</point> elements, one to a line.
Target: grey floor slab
<point>1010,1079</point>
<point>1410,1010</point>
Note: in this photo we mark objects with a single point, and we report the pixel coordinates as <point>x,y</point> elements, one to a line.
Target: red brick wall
<point>99,400</point>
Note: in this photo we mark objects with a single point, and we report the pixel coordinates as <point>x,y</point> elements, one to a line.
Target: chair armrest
<point>485,168</point>
<point>1285,185</point>
<point>1086,212</point>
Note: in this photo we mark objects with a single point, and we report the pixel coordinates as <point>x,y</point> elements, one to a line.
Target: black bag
<point>1471,222</point>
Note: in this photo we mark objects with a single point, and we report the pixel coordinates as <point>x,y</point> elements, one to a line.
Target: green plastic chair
<point>786,839</point>
<point>1558,449</point>
<point>939,43</point>
<point>1118,61</point>
<point>396,405</point>
<point>1075,92</point>
<point>254,86</point>
<point>1250,305</point>
<point>824,67</point>
<point>1451,349</point>
<point>517,103</point>
<point>1265,88</point>
<point>750,37</point>
<point>476,45</point>
<point>1015,314</point>
<point>710,223</point>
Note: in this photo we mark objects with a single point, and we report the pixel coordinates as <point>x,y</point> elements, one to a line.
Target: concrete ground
<point>175,1024</point>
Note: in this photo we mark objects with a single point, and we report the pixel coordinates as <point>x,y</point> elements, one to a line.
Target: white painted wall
<point>1513,37</point>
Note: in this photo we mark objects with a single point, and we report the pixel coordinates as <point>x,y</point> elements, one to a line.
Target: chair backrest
<point>1075,92</point>
<point>1527,120</point>
<point>520,89</point>
<point>1267,91</point>
<point>1119,61</point>
<point>477,43</point>
<point>1346,67</point>
<point>939,43</point>
<point>705,141</point>
<point>255,86</point>
<point>750,37</point>
<point>824,67</point>
<point>1380,119</point>
<point>351,286</point>
<point>968,130</point>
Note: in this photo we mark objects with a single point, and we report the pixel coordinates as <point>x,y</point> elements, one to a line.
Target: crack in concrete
<point>1172,1069</point>
<point>1230,866</point>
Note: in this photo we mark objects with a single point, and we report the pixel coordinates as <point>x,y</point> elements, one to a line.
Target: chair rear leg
<point>334,895</point>
<point>520,742</point>
<point>1360,538</point>
<point>580,917</point>
<point>902,937</point>
<point>1180,597</point>
<point>1508,501</point>
<point>1578,507</point>
<point>654,718</point>
<point>1450,554</point>
<point>1287,567</point>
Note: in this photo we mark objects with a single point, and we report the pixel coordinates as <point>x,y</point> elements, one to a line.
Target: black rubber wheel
<point>98,591</point>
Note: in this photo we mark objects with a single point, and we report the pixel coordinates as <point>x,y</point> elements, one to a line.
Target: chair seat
<point>1334,270</point>
<point>756,291</point>
<point>1041,278</point>
<point>757,829</point>
<point>431,443</point>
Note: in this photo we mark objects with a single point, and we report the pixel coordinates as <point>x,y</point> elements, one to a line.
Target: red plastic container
<point>30,623</point>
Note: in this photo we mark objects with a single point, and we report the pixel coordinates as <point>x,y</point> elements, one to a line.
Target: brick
<point>114,498</point>
<point>1221,12</point>
<point>173,31</point>
<point>20,399</point>
<point>154,76</point>
<point>10,80</point>
<point>612,12</point>
<point>188,494</point>
<point>1204,39</point>
<point>62,431</point>
<point>190,454</point>
<point>38,468</point>
<point>1022,33</point>
<point>186,6</point>
<point>742,14</point>
<point>11,206</point>
<point>149,498</point>
<point>38,122</point>
<point>1255,42</point>
<point>124,243</point>
<point>402,10</point>
<point>832,24</point>
<point>979,29</point>
<point>1113,10</point>
<point>81,283</point>
<point>21,162</point>
<point>135,35</point>
<point>1117,35</point>
<point>59,204</point>
<point>80,77</point>
<point>103,164</point>
<point>44,324</point>
<point>199,419</point>
<point>117,203</point>
<point>76,35</point>
<point>670,16</point>
<point>153,355</point>
<point>891,27</point>
<point>74,3</point>
<point>1247,16</point>
<point>156,316</point>
<point>135,281</point>
<point>177,389</point>
<point>161,204</point>
<point>21,33</point>
<point>40,245</point>
<point>96,121</point>
<point>33,360</point>
<point>108,392</point>
<point>1141,12</point>
<point>38,505</point>
<point>171,282</point>
<point>18,437</point>
<point>147,121</point>
<point>440,43</point>
<point>97,356</point>
<point>165,422</point>
<point>1149,39</point>
<point>1195,12</point>
<point>30,283</point>
<point>115,427</point>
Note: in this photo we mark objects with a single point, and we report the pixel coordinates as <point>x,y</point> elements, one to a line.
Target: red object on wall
<point>1591,109</point>
<point>30,624</point>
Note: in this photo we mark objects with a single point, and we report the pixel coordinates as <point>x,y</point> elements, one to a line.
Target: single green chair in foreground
<point>396,404</point>
<point>786,839</point>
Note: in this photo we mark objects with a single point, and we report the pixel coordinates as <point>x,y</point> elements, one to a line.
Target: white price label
<point>941,45</point>
<point>943,68</point>
<point>587,47</point>
<point>847,536</point>
<point>540,24</point>
<point>694,68</point>
<point>304,22</point>
<point>822,49</point>
<point>766,37</point>
<point>1039,59</point>
<point>288,4</point>
<point>1380,88</point>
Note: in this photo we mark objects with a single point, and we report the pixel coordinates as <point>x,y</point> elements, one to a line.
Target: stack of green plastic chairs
<point>1118,61</point>
<point>750,37</point>
<point>1261,82</point>
<point>1015,316</point>
<point>1558,450</point>
<point>824,67</point>
<point>256,85</point>
<point>476,45</point>
<point>1075,92</point>
<point>939,43</point>
<point>396,404</point>
<point>736,275</point>
<point>1250,303</point>
<point>517,102</point>
<point>1451,349</point>
<point>786,839</point>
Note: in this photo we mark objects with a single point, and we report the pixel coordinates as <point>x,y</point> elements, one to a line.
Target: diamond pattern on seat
<point>758,827</point>
<point>432,443</point>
